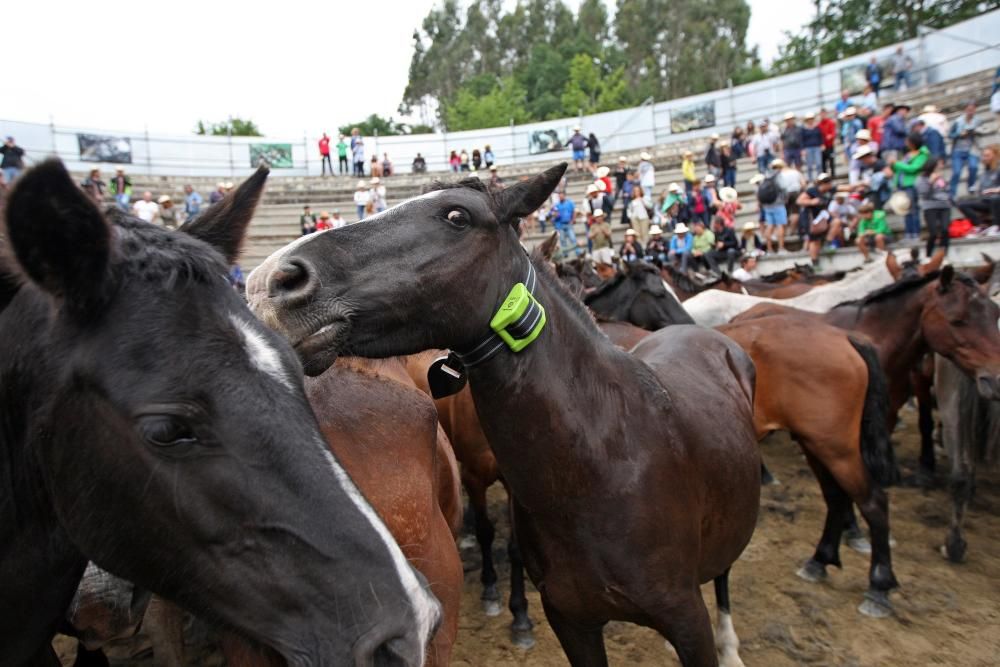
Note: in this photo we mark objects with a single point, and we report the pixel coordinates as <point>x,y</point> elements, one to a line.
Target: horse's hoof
<point>491,600</point>
<point>859,543</point>
<point>523,639</point>
<point>813,571</point>
<point>467,542</point>
<point>954,551</point>
<point>876,605</point>
<point>767,479</point>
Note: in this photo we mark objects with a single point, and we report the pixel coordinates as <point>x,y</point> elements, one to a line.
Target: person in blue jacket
<point>680,246</point>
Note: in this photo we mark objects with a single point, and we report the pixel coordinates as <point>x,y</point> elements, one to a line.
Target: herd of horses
<point>288,472</point>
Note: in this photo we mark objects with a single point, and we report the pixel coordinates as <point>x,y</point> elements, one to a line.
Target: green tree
<point>237,127</point>
<point>383,127</point>
<point>503,103</point>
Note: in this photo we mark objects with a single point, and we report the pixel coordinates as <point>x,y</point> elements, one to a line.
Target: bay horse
<point>833,400</point>
<point>153,426</point>
<point>625,499</point>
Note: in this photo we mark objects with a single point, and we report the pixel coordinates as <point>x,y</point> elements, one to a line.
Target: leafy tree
<point>383,127</point>
<point>237,127</point>
<point>504,102</point>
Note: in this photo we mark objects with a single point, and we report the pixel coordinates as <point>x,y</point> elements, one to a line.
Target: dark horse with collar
<point>626,497</point>
<point>152,425</point>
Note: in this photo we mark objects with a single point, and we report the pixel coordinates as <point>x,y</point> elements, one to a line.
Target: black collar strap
<point>522,329</point>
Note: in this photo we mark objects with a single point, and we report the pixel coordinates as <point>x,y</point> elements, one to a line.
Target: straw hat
<point>849,112</point>
<point>756,178</point>
<point>930,108</point>
<point>687,154</point>
<point>622,158</point>
<point>709,178</point>
<point>750,226</point>
<point>628,231</point>
<point>715,136</point>
<point>681,228</point>
<point>777,163</point>
<point>673,188</point>
<point>576,128</point>
<point>824,177</point>
<point>809,116</point>
<point>789,116</point>
<point>863,135</point>
<point>361,185</point>
<point>324,215</point>
<point>899,203</point>
<point>728,195</point>
<point>602,172</point>
<point>120,170</point>
<point>229,185</point>
<point>604,256</point>
<point>592,188</point>
<point>862,152</point>
<point>164,199</point>
<point>599,213</point>
<point>655,229</point>
<point>493,167</point>
<point>645,156</point>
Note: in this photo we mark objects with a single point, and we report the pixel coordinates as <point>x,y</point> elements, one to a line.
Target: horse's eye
<point>166,431</point>
<point>458,218</point>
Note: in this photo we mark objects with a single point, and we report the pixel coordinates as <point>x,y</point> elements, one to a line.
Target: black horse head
<point>637,295</point>
<point>153,426</point>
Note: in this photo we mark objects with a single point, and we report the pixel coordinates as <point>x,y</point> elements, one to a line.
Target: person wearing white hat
<point>167,213</point>
<point>377,195</point>
<point>850,125</point>
<point>765,145</point>
<point>361,199</point>
<point>620,174</point>
<point>862,138</point>
<point>632,249</point>
<point>933,117</point>
<point>791,141</point>
<point>647,177</point>
<point>578,144</point>
<point>657,249</point>
<point>750,243</point>
<point>681,245</point>
<point>604,263</point>
<point>599,234</point>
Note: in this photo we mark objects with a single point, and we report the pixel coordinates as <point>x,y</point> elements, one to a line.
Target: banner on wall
<point>277,156</point>
<point>547,141</point>
<point>692,117</point>
<point>100,148</point>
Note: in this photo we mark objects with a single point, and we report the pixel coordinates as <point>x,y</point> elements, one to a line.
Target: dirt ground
<point>945,614</point>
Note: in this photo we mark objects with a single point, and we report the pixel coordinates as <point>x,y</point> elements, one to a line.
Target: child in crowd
<point>688,172</point>
<point>872,229</point>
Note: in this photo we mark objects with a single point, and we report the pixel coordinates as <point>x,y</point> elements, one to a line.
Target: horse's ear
<point>224,225</point>
<point>934,263</point>
<point>892,266</point>
<point>946,277</point>
<point>59,238</point>
<point>524,198</point>
<point>547,248</point>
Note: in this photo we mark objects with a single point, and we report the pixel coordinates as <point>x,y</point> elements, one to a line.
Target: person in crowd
<point>358,154</point>
<point>563,217</point>
<point>375,168</point>
<point>324,154</point>
<point>688,172</point>
<point>771,199</point>
<point>657,249</point>
<point>727,161</point>
<point>237,279</point>
<point>737,142</point>
<point>631,250</point>
<point>712,161</point>
<point>146,209</point>
<point>906,171</point>
<point>599,234</point>
<point>849,127</point>
<point>791,141</point>
<point>862,137</point>
<point>869,99</point>
<point>828,128</point>
<point>337,220</point>
<point>192,202</point>
<point>93,185</point>
<point>604,263</point>
<point>711,193</point>
<point>727,246</point>
<point>463,160</point>
<point>729,205</point>
<point>813,203</point>
<point>167,213</point>
<point>377,195</point>
<point>674,209</point>
<point>229,186</point>
<point>901,66</point>
<point>454,162</point>
<point>12,163</point>
<point>307,221</point>
<point>873,230</point>
<point>791,182</point>
<point>932,138</point>
<point>702,246</point>
<point>843,104</point>
<point>578,144</point>
<point>698,202</point>
<point>387,169</point>
<point>933,117</point>
<point>594,148</point>
<point>874,181</point>
<point>342,161</point>
<point>121,189</point>
<point>894,132</point>
<point>323,224</point>
<point>764,146</point>
<point>419,164</point>
<point>873,75</point>
<point>864,115</point>
<point>964,148</point>
<point>627,190</point>
<point>602,176</point>
<point>747,269</point>
<point>647,177</point>
<point>843,218</point>
<point>636,214</point>
<point>812,145</point>
<point>983,205</point>
<point>477,159</point>
<point>495,180</point>
<point>355,138</point>
<point>362,199</point>
<point>935,202</point>
<point>488,158</point>
<point>750,243</point>
<point>593,201</point>
<point>681,245</point>
<point>876,124</point>
<point>620,175</point>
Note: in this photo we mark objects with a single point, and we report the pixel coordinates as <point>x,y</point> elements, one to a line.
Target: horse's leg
<point>727,644</point>
<point>766,478</point>
<point>521,627</point>
<point>854,537</point>
<point>874,505</point>
<point>925,419</point>
<point>838,505</point>
<point>86,658</point>
<point>484,536</point>
<point>686,626</point>
<point>961,484</point>
<point>584,646</point>
<point>164,622</point>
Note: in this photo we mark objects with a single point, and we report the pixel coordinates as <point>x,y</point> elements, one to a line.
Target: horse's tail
<point>876,450</point>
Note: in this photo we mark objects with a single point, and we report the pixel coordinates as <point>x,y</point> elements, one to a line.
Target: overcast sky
<point>300,65</point>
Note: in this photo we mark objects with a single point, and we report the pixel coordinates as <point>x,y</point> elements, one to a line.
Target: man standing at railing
<point>13,160</point>
<point>964,150</point>
<point>873,75</point>
<point>324,154</point>
<point>901,66</point>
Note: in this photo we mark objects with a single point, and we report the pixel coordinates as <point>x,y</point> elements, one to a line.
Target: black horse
<point>152,425</point>
<point>625,498</point>
<point>636,294</point>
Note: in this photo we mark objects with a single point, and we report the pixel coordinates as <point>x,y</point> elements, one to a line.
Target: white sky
<point>291,66</point>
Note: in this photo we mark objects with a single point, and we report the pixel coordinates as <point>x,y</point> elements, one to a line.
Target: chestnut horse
<point>625,499</point>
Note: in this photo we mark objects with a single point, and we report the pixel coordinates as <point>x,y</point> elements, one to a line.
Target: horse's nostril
<point>292,277</point>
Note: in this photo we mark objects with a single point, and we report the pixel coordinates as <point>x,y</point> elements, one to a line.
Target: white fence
<point>961,49</point>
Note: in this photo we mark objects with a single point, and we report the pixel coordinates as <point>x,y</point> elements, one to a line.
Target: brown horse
<point>625,498</point>
<point>833,401</point>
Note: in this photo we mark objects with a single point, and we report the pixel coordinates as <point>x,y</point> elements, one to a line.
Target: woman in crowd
<point>488,158</point>
<point>935,202</point>
<point>477,159</point>
<point>454,162</point>
<point>906,171</point>
<point>594,146</point>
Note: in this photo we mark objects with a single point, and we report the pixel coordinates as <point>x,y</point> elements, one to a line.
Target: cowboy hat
<point>715,136</point>
<point>324,215</point>
<point>750,226</point>
<point>164,199</point>
<point>361,185</point>
<point>863,135</point>
<point>576,128</point>
<point>930,108</point>
<point>899,203</point>
<point>604,256</point>
<point>602,172</point>
<point>673,187</point>
<point>862,152</point>
<point>789,116</point>
<point>493,167</point>
<point>592,188</point>
<point>809,115</point>
<point>645,156</point>
<point>376,180</point>
<point>681,228</point>
<point>777,163</point>
<point>229,185</point>
<point>756,178</point>
<point>824,177</point>
<point>709,178</point>
<point>687,154</point>
<point>655,229</point>
<point>629,231</point>
<point>599,213</point>
<point>728,195</point>
<point>622,158</point>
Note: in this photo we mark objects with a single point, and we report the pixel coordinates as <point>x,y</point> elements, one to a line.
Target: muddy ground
<point>945,614</point>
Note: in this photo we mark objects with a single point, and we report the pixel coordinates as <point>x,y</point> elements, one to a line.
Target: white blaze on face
<point>425,607</point>
<point>262,356</point>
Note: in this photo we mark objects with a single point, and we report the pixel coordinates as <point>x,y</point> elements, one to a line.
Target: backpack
<point>767,192</point>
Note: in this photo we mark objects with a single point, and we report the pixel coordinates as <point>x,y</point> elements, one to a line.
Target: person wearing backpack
<point>771,200</point>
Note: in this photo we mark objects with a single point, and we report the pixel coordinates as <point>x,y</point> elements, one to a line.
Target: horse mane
<point>775,277</point>
<point>903,286</point>
<point>579,311</point>
<point>683,281</point>
<point>470,183</point>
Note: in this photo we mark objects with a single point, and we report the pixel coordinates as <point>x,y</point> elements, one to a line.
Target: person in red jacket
<point>324,153</point>
<point>876,123</point>
<point>828,128</point>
